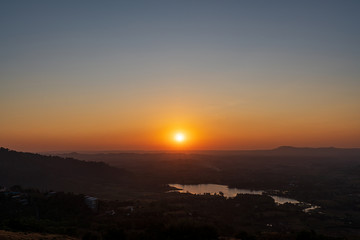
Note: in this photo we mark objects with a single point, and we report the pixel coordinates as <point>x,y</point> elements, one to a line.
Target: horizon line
<point>198,150</point>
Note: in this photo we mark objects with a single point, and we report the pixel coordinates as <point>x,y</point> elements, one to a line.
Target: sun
<point>179,137</point>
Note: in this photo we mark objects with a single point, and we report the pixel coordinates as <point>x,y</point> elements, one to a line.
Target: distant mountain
<point>323,151</point>
<point>57,173</point>
<point>290,151</point>
<point>134,161</point>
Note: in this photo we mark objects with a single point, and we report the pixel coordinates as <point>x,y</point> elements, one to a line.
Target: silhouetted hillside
<point>305,173</point>
<point>324,151</point>
<point>50,172</point>
<point>140,205</point>
<point>290,151</point>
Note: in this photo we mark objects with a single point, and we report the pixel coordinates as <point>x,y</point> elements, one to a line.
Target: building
<point>92,203</point>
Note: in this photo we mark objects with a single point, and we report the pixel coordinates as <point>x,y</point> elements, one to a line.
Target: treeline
<point>171,216</point>
<point>68,214</point>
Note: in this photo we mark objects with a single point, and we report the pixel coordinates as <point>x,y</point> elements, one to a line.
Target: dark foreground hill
<point>6,235</point>
<point>57,173</point>
<point>328,180</point>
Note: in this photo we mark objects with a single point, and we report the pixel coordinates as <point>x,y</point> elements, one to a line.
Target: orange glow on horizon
<point>159,134</point>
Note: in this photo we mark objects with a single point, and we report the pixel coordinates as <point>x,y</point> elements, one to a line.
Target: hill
<point>57,173</point>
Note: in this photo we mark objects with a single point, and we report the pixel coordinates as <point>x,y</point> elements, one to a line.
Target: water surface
<point>213,189</point>
<point>226,191</point>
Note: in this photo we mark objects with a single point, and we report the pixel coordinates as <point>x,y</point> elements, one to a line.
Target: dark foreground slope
<point>57,173</point>
<point>329,181</point>
<point>6,235</point>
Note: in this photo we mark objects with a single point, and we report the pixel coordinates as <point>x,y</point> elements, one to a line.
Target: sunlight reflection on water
<point>228,192</point>
<point>212,189</point>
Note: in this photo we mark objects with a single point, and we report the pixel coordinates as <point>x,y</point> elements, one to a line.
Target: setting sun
<point>179,137</point>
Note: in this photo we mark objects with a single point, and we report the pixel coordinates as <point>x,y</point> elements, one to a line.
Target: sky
<point>229,75</point>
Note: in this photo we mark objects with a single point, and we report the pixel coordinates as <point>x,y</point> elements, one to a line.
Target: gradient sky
<point>104,75</point>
